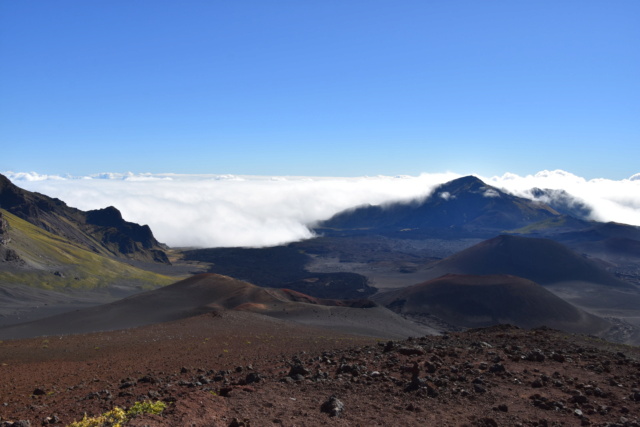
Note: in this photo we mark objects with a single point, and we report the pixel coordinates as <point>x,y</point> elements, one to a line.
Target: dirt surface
<point>237,368</point>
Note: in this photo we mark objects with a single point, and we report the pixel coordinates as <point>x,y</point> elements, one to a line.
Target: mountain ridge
<point>463,206</point>
<point>102,231</point>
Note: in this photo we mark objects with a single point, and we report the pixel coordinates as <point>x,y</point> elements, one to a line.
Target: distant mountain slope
<point>476,301</point>
<point>541,260</point>
<point>468,208</point>
<point>614,242</point>
<point>205,293</point>
<point>462,206</point>
<point>102,231</point>
<point>36,258</point>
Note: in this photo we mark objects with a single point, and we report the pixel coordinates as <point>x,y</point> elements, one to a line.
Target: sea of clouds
<point>232,210</point>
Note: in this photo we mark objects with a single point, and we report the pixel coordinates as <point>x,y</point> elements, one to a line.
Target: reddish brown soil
<point>236,369</point>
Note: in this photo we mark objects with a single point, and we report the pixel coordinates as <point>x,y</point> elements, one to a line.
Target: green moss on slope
<point>51,262</point>
<point>540,225</point>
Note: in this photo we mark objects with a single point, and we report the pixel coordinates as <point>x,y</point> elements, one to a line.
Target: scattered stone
<point>127,384</point>
<point>411,351</point>
<point>333,406</point>
<point>51,420</point>
<point>535,356</point>
<point>298,370</point>
<point>479,388</point>
<point>253,377</point>
<point>225,391</point>
<point>413,408</point>
<point>498,367</point>
<point>537,383</point>
<point>431,368</point>
<point>237,423</point>
<point>150,379</point>
<point>580,399</point>
<point>39,392</point>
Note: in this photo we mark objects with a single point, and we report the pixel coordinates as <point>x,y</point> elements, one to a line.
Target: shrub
<point>118,417</point>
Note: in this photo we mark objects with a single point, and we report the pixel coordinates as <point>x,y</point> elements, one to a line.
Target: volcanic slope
<point>477,301</point>
<point>206,293</point>
<point>543,261</point>
<point>465,206</point>
<point>42,274</point>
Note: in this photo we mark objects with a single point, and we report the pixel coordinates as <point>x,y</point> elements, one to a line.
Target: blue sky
<point>323,88</point>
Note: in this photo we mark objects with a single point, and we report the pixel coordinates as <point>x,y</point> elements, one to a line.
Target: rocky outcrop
<point>125,237</point>
<point>6,253</point>
<point>4,229</point>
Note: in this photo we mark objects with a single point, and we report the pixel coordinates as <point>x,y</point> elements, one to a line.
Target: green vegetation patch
<point>119,417</point>
<point>540,225</point>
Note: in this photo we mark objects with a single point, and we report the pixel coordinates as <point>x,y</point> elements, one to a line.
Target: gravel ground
<point>234,369</point>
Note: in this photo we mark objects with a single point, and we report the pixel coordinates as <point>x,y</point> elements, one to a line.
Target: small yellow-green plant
<point>118,417</point>
<point>146,407</point>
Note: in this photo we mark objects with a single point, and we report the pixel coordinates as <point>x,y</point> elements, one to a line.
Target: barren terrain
<point>238,368</point>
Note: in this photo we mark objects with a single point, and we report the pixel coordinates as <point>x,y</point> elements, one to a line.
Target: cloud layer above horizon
<point>231,210</point>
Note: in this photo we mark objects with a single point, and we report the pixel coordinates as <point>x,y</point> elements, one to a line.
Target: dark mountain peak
<point>107,217</point>
<point>467,186</point>
<point>4,182</point>
<point>10,194</point>
<point>464,183</point>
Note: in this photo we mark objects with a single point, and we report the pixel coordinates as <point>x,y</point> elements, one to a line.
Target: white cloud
<point>610,200</point>
<point>490,192</point>
<point>31,176</point>
<point>230,210</point>
<point>227,210</point>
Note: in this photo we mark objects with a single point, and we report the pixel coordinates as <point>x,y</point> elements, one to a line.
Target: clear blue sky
<point>320,87</point>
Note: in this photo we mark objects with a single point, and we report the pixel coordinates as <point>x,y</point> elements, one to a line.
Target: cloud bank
<point>230,210</point>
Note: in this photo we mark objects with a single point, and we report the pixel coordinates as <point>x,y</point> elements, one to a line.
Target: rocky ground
<point>238,369</point>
